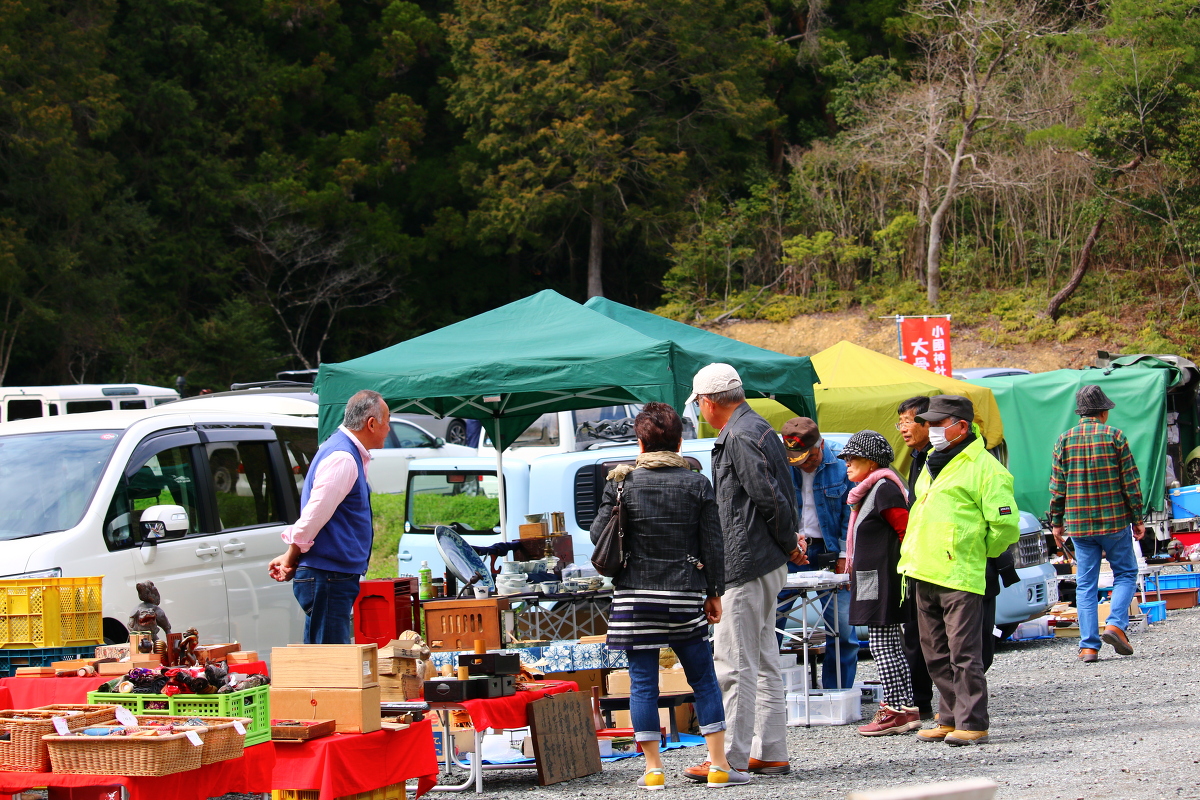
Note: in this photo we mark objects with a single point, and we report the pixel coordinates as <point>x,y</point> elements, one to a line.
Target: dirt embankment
<point>805,335</point>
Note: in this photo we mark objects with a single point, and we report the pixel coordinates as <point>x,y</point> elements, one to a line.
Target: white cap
<point>713,379</point>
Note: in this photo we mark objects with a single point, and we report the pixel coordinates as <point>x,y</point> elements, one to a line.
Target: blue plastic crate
<point>1155,611</point>
<point>1182,580</point>
<point>40,657</point>
<point>1185,502</point>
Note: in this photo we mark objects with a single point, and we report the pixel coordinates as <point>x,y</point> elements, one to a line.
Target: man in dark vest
<point>330,545</point>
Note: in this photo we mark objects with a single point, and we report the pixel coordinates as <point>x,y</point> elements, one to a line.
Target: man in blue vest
<point>330,545</point>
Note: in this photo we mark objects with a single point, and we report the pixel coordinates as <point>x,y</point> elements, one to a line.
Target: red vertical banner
<point>925,343</point>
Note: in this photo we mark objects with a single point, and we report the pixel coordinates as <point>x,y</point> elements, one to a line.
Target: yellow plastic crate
<point>51,612</point>
<point>393,792</point>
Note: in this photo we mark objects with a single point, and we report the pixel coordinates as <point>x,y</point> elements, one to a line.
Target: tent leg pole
<point>500,482</point>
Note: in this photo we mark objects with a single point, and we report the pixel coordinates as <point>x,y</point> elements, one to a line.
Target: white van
<point>31,402</point>
<point>74,490</point>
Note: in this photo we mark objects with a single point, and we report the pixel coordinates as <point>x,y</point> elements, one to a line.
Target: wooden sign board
<point>564,737</point>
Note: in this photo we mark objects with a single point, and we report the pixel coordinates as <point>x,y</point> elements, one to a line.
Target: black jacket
<point>755,496</point>
<point>670,514</point>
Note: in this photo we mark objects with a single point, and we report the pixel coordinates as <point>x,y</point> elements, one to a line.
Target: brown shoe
<point>1117,638</point>
<point>769,767</point>
<point>890,720</point>
<point>936,734</point>
<point>698,773</point>
<point>959,738</point>
<point>1087,655</point>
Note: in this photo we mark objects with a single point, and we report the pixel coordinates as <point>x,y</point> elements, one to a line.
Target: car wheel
<point>224,475</point>
<point>456,432</point>
<point>114,632</point>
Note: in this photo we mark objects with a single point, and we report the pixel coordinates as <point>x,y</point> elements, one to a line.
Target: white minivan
<point>74,490</point>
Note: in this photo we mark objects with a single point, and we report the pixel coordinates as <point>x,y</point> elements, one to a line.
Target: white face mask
<point>937,438</point>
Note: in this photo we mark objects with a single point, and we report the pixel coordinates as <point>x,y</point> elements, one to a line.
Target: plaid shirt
<point>1094,484</point>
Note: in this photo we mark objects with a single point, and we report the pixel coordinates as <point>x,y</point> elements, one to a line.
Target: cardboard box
<point>354,710</point>
<point>586,678</point>
<point>325,666</point>
<point>669,680</point>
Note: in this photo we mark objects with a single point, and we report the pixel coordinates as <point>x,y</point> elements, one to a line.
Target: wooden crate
<point>452,625</point>
<point>400,688</point>
<point>325,666</point>
<point>397,666</point>
<point>1178,598</point>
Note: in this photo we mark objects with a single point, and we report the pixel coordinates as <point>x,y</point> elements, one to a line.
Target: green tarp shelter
<point>548,353</point>
<point>1037,408</point>
<point>765,373</point>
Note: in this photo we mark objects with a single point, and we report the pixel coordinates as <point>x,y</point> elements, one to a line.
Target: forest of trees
<point>224,188</point>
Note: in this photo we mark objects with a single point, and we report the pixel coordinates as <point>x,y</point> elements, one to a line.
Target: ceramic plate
<point>461,559</point>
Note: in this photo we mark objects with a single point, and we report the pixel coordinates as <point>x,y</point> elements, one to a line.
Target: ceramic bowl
<point>549,587</point>
<point>534,519</point>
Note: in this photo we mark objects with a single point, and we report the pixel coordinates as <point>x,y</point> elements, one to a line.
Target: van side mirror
<point>163,522</point>
<point>439,442</point>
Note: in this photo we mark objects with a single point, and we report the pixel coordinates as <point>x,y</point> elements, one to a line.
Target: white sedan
<point>407,441</point>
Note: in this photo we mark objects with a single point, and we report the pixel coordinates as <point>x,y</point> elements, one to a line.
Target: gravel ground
<point>1121,728</point>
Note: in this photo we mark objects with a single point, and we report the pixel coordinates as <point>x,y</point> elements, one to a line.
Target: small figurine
<point>186,657</point>
<point>148,616</point>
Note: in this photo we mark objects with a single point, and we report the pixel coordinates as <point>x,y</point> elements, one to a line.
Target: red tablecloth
<point>352,763</point>
<point>34,692</point>
<point>249,774</point>
<point>510,712</point>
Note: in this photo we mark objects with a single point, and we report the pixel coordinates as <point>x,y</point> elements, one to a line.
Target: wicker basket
<point>141,756</point>
<point>222,742</point>
<point>24,750</point>
<point>89,715</point>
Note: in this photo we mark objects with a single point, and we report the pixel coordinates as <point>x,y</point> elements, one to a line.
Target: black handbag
<point>609,556</point>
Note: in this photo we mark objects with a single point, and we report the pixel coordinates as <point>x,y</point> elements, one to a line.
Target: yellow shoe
<point>719,778</point>
<point>935,734</point>
<point>959,738</point>
<point>653,779</point>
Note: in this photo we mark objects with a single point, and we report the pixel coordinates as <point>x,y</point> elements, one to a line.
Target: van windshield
<point>48,479</point>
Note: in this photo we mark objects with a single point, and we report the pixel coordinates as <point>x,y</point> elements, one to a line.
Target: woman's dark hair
<point>658,427</point>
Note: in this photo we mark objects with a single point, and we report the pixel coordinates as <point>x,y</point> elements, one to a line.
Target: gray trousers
<point>950,621</point>
<point>746,654</point>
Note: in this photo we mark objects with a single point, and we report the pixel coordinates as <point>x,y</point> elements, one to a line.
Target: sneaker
<point>959,738</point>
<point>891,720</point>
<point>698,773</point>
<point>935,734</point>
<point>1088,655</point>
<point>653,779</point>
<point>1117,638</point>
<point>719,778</point>
<point>769,767</point>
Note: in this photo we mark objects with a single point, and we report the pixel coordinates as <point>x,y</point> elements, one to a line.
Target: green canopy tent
<point>1037,408</point>
<point>509,365</point>
<point>765,373</point>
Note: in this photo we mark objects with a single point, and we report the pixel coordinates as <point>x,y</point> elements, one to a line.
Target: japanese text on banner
<point>925,343</point>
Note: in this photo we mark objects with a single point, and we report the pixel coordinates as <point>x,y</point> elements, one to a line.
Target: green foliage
<point>479,513</point>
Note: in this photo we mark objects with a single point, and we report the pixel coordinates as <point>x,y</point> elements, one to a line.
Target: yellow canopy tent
<point>860,389</point>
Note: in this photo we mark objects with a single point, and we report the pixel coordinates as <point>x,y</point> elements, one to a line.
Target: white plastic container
<point>1033,629</point>
<point>872,691</point>
<point>825,707</point>
<point>795,679</point>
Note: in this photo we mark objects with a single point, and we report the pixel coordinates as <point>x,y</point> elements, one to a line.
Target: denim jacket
<point>830,488</point>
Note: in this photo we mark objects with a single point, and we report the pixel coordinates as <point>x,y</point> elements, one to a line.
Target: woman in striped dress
<point>670,588</point>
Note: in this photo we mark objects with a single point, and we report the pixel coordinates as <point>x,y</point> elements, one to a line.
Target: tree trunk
<point>933,263</point>
<point>1081,268</point>
<point>595,284</point>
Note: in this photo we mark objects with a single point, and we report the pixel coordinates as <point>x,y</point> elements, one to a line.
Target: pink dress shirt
<point>333,480</point>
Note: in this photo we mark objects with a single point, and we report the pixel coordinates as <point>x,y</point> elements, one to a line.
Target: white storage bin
<point>795,679</point>
<point>825,707</point>
<point>872,691</point>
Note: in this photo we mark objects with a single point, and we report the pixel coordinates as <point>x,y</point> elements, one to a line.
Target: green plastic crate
<point>253,703</point>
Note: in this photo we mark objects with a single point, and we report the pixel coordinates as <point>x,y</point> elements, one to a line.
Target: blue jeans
<point>849,640</point>
<point>1118,549</point>
<point>327,599</point>
<point>697,660</point>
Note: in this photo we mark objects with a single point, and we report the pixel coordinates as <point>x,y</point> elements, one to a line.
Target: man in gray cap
<point>964,513</point>
<point>757,506</point>
<point>1096,499</point>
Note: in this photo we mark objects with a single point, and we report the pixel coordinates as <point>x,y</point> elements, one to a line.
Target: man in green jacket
<point>964,513</point>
